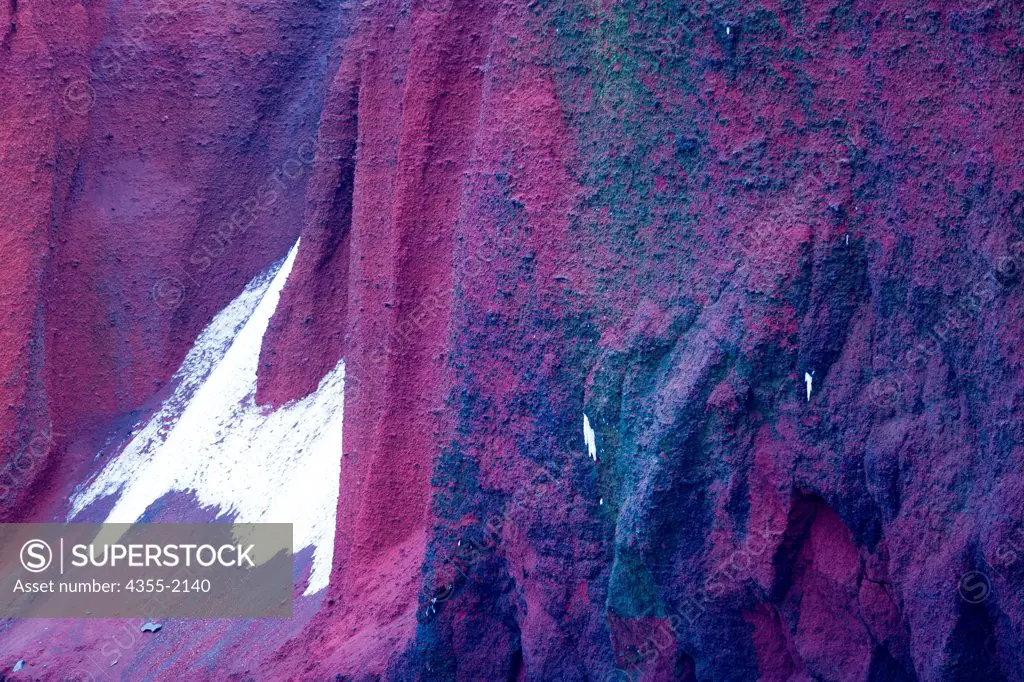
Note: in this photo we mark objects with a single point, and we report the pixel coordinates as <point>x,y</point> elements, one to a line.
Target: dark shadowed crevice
<point>516,666</point>
<point>819,591</point>
<point>971,652</point>
<point>801,517</point>
<point>885,668</point>
<point>685,669</point>
<point>11,27</point>
<point>305,338</point>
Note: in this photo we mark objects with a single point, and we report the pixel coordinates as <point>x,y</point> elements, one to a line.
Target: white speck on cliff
<point>809,380</point>
<point>589,437</point>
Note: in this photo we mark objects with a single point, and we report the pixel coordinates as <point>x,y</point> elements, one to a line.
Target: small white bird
<point>809,380</point>
<point>590,438</point>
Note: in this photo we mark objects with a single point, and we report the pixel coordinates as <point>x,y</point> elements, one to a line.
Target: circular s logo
<point>974,587</point>
<point>169,293</point>
<point>36,556</point>
<point>885,391</point>
<point>79,96</point>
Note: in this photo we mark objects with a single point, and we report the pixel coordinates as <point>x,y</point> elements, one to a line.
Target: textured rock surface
<point>512,214</point>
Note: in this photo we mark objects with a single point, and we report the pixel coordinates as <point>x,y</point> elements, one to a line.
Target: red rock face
<point>772,251</point>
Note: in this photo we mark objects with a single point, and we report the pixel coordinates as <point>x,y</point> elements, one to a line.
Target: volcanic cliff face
<point>678,341</point>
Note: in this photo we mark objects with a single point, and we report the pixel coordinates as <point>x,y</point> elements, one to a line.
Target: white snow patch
<point>589,437</point>
<point>211,439</point>
<point>809,380</point>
